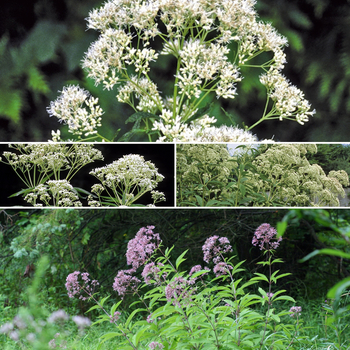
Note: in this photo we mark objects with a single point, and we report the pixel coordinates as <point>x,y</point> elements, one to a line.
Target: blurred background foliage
<point>95,241</point>
<point>42,43</point>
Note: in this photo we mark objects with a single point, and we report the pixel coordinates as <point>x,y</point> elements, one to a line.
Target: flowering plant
<point>126,180</point>
<point>209,43</point>
<point>272,175</point>
<point>47,169</point>
<point>188,310</point>
<point>34,327</point>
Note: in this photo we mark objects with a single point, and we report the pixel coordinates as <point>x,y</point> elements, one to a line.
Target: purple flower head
<point>154,346</point>
<point>81,321</point>
<point>115,317</point>
<point>214,247</point>
<point>195,269</point>
<point>178,289</point>
<point>142,246</point>
<point>125,282</point>
<point>263,237</point>
<point>150,320</point>
<point>74,287</point>
<point>151,272</point>
<point>269,295</point>
<point>58,316</point>
<point>296,311</point>
<point>222,268</point>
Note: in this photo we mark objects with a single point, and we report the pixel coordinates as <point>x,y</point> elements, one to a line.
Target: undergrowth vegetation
<point>161,302</point>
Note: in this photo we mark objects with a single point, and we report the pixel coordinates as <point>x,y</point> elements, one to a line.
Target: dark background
<point>43,42</point>
<point>162,155</point>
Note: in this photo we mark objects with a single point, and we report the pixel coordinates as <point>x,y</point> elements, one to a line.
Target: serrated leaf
<point>42,41</point>
<point>10,104</point>
<point>36,81</point>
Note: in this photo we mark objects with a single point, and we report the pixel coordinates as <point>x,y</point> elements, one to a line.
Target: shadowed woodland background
<point>42,43</point>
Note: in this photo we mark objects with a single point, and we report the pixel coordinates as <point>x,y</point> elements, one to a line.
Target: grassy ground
<point>314,327</point>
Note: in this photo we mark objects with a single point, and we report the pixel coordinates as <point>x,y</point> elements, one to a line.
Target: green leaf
<point>114,307</point>
<point>131,316</point>
<point>336,291</point>
<point>94,308</point>
<point>138,116</point>
<point>42,41</point>
<point>281,228</point>
<point>128,135</point>
<point>36,81</point>
<point>242,189</point>
<point>201,111</point>
<point>103,300</point>
<point>10,104</point>
<point>81,190</point>
<point>180,259</point>
<point>285,297</point>
<point>110,335</point>
<point>199,200</point>
<point>260,277</point>
<point>327,251</point>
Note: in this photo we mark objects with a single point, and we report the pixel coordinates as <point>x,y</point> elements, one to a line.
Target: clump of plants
<point>267,175</point>
<point>208,43</point>
<point>47,171</point>
<point>206,307</point>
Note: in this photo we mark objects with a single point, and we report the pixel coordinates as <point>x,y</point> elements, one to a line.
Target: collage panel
<point>174,278</point>
<point>87,175</point>
<point>178,175</point>
<point>263,175</point>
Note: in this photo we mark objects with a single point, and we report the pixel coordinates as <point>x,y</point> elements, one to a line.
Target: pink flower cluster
<point>140,249</point>
<point>264,236</point>
<point>214,247</point>
<point>296,311</point>
<point>151,272</point>
<point>115,317</point>
<point>124,281</point>
<point>154,345</point>
<point>178,289</point>
<point>74,287</point>
<point>142,246</point>
<point>222,268</point>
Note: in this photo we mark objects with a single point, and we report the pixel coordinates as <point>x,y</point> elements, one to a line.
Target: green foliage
<point>20,67</point>
<point>318,58</point>
<point>331,157</point>
<point>339,308</point>
<point>272,175</point>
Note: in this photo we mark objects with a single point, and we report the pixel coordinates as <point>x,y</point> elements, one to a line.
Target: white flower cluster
<point>36,162</point>
<point>292,180</point>
<point>57,193</point>
<point>126,180</point>
<point>69,108</point>
<point>199,34</point>
<point>200,130</point>
<point>289,102</point>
